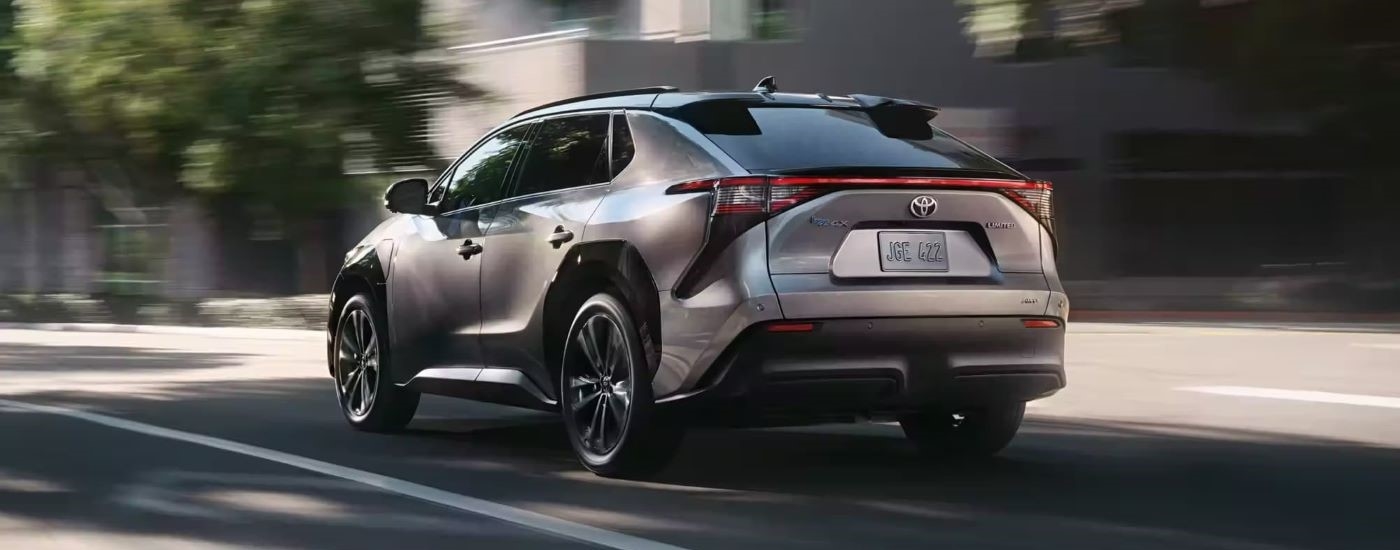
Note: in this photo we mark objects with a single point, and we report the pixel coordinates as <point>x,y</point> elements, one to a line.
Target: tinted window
<point>777,138</point>
<point>566,152</point>
<point>622,149</point>
<point>479,178</point>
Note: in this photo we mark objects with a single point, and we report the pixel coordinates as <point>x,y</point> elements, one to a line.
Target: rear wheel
<point>970,433</point>
<point>606,399</point>
<point>368,397</point>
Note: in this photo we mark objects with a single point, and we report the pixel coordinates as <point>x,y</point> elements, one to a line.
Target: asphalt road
<point>1173,436</point>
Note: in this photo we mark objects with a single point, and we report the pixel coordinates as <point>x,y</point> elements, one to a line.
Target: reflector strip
<point>792,327</point>
<point>911,182</point>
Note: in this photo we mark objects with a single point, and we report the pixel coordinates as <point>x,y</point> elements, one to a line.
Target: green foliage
<point>8,83</point>
<point>265,100</point>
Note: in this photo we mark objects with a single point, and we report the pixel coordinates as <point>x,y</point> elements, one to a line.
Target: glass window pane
<point>788,138</point>
<point>566,152</point>
<point>622,148</point>
<point>479,178</point>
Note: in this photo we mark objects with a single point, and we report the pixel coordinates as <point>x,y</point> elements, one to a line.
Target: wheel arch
<point>587,269</point>
<point>363,274</point>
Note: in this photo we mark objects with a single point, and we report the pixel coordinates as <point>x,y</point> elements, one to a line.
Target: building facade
<point>1102,125</point>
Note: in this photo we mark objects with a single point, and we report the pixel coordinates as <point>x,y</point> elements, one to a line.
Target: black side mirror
<point>408,196</point>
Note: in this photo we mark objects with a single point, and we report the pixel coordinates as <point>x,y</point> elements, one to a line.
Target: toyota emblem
<point>922,206</point>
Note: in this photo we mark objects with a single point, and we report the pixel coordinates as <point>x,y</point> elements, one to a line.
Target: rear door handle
<point>468,249</point>
<point>560,236</point>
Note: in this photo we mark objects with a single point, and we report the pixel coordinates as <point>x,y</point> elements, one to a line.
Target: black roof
<point>663,98</point>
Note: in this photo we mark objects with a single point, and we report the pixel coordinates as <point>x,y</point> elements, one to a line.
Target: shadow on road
<point>1085,483</point>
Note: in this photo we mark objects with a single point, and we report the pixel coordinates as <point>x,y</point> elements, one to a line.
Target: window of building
<point>599,16</point>
<point>774,20</point>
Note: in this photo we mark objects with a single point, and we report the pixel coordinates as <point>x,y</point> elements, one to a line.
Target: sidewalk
<point>216,331</point>
<point>1115,316</point>
<point>305,312</point>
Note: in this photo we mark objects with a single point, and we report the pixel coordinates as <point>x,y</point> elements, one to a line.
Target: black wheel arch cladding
<point>590,267</point>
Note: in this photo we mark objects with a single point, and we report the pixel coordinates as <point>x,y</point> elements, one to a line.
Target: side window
<point>480,177</point>
<point>566,152</point>
<point>622,149</point>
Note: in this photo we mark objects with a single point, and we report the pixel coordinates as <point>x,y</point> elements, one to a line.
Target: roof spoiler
<point>875,102</point>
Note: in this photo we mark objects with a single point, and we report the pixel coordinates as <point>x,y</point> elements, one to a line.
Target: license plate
<point>921,251</point>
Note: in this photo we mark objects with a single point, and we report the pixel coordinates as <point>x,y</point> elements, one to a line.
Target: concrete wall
<point>50,241</point>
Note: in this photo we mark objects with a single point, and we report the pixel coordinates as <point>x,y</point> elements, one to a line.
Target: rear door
<point>562,179</point>
<point>878,219</point>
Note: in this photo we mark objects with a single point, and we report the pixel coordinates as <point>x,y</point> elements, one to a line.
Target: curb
<point>219,332</point>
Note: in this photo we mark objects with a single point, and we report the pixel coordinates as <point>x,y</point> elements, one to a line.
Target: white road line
<point>518,516</point>
<point>1300,395</point>
<point>219,332</point>
<point>1376,346</point>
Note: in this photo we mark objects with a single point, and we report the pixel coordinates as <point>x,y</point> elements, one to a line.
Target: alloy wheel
<point>357,363</point>
<point>601,387</point>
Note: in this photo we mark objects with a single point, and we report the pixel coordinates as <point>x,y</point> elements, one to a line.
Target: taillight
<point>1036,198</point>
<point>739,204</point>
<point>745,195</point>
<point>742,202</point>
<point>775,194</point>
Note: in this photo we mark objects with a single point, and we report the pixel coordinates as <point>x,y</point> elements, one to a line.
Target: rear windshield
<point>795,138</point>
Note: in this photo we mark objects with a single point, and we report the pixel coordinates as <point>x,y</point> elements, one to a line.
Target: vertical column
<point>29,252</point>
<point>9,237</point>
<point>188,269</point>
<point>660,19</point>
<point>731,19</point>
<point>74,257</point>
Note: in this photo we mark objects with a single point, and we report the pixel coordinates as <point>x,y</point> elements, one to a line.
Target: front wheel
<point>605,395</point>
<point>368,397</point>
<point>970,433</point>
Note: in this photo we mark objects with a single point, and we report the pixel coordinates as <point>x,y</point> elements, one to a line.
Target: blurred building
<point>1161,184</point>
<point>1150,162</point>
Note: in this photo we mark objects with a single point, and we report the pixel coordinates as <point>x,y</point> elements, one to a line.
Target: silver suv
<point>646,260</point>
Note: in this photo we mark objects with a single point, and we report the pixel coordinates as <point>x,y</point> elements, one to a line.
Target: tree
<point>261,103</point>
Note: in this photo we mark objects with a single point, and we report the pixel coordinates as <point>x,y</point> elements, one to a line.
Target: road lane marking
<point>518,516</point>
<point>217,332</point>
<point>1300,395</point>
<point>1376,346</point>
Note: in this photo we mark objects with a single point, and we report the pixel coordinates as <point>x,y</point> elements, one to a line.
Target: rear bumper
<point>873,367</point>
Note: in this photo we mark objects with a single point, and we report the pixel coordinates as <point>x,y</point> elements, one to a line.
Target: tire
<point>368,398</point>
<point>972,433</point>
<point>605,395</point>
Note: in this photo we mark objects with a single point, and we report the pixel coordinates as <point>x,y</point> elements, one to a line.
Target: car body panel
<point>811,296</point>
<point>694,331</point>
<point>518,269</point>
<point>433,295</point>
<point>857,257</point>
<point>666,229</point>
<point>800,243</point>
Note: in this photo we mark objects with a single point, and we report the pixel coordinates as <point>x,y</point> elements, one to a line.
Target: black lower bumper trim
<point>869,367</point>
